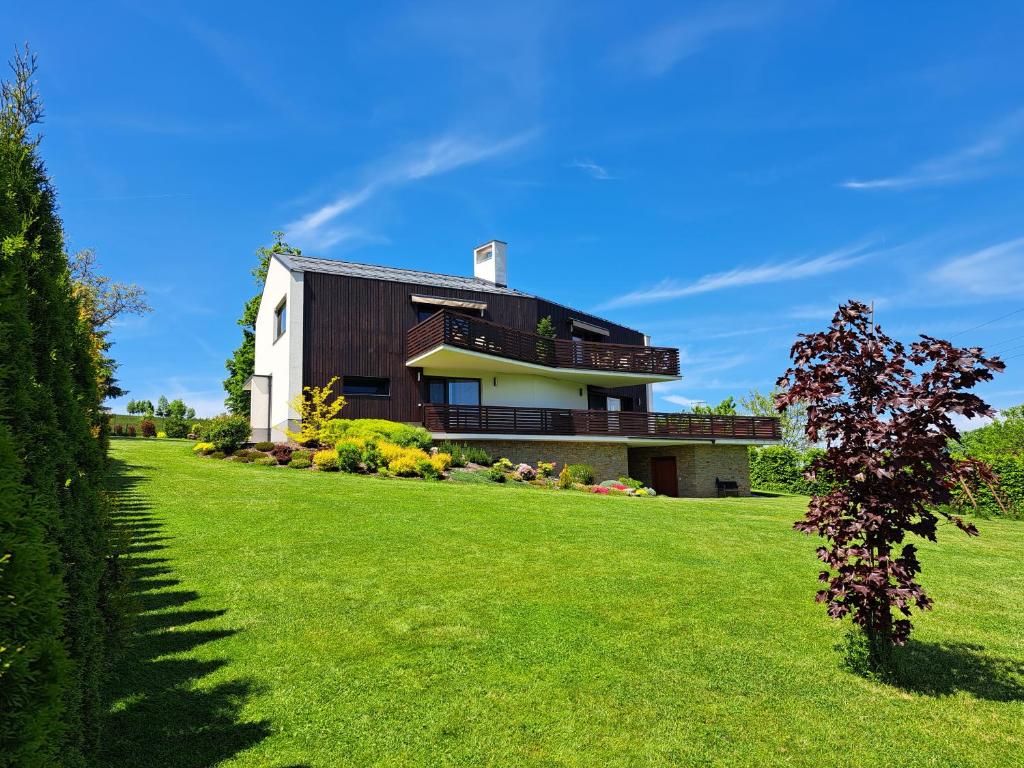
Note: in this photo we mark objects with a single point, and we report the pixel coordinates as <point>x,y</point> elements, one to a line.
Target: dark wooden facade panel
<point>357,327</point>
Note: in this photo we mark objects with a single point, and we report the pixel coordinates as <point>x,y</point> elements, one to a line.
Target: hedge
<point>55,527</point>
<point>1009,470</point>
<point>780,468</point>
<point>33,661</point>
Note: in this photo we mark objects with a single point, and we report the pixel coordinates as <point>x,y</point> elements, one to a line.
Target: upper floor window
<point>280,319</point>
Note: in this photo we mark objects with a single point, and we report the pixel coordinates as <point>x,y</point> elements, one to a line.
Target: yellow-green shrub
<point>441,461</point>
<point>204,448</point>
<point>326,460</point>
<point>404,466</point>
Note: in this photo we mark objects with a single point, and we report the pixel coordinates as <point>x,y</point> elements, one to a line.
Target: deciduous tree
<point>884,413</point>
<point>792,422</point>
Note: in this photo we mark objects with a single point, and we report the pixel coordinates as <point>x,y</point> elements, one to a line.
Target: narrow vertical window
<point>280,319</point>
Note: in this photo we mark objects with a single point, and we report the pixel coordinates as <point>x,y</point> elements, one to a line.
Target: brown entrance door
<point>663,475</point>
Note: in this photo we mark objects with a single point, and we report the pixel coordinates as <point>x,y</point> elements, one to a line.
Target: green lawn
<point>304,619</point>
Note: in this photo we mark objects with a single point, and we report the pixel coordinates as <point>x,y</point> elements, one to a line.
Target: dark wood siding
<point>356,326</point>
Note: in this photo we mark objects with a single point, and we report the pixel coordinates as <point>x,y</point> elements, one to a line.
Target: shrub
<point>496,474</point>
<point>525,472</point>
<point>441,461</point>
<point>564,478</point>
<point>463,454</point>
<point>405,465</point>
<point>781,468</point>
<point>545,468</point>
<point>504,465</point>
<point>629,482</point>
<point>264,445</point>
<point>266,461</point>
<point>281,453</point>
<point>176,426</point>
<point>775,468</point>
<point>204,448</point>
<point>427,469</point>
<point>455,451</point>
<point>147,427</point>
<point>377,430</point>
<point>600,489</point>
<point>161,435</point>
<point>371,456</point>
<point>129,431</point>
<point>349,455</point>
<point>583,474</point>
<point>217,455</point>
<point>326,460</point>
<point>244,456</point>
<point>117,429</point>
<point>228,433</point>
<point>300,462</point>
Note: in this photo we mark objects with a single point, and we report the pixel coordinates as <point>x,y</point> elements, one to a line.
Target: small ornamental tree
<point>315,408</point>
<point>884,414</point>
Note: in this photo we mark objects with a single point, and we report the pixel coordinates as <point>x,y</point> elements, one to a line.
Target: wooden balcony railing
<point>446,327</point>
<point>508,420</point>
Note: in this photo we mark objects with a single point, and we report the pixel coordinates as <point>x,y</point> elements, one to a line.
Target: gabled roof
<point>375,272</point>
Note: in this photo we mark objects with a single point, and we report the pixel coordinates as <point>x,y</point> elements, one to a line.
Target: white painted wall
<point>522,390</point>
<point>280,359</point>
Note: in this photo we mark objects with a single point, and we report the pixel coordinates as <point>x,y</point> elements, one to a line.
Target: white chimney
<point>490,262</point>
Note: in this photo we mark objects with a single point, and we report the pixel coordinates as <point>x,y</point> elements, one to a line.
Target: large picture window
<point>449,391</point>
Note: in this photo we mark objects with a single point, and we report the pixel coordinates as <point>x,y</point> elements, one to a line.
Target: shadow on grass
<point>158,715</point>
<point>942,669</point>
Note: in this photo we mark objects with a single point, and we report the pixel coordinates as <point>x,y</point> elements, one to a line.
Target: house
<point>461,356</point>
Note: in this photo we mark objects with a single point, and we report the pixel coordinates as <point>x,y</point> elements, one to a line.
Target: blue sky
<point>721,175</point>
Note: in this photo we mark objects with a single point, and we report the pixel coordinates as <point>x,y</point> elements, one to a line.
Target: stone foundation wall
<point>697,466</point>
<point>608,459</point>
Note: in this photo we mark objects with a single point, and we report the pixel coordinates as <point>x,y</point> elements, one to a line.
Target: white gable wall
<point>280,359</point>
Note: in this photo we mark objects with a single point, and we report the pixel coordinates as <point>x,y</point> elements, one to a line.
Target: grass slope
<point>304,619</point>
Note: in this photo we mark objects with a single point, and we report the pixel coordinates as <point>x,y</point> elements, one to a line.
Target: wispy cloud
<point>966,163</point>
<point>320,228</point>
<point>778,272</point>
<point>994,271</point>
<point>592,169</point>
<point>659,50</point>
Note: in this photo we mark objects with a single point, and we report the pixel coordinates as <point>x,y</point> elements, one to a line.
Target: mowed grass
<point>304,619</point>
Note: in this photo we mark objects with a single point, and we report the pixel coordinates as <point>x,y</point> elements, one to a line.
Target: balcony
<point>508,420</point>
<point>451,340</point>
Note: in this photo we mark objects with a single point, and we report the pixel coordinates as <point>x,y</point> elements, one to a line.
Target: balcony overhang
<point>455,359</point>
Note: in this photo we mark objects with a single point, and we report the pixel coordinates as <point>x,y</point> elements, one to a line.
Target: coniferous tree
<point>51,407</point>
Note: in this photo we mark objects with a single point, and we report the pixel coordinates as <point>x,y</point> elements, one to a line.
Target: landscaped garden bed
<point>390,449</point>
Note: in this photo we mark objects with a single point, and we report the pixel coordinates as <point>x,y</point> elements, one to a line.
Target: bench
<point>727,487</point>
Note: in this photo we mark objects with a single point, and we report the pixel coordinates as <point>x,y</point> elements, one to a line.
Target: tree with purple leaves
<point>884,414</point>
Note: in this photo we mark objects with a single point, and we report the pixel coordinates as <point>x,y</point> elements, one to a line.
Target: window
<point>365,386</point>
<point>280,319</point>
<point>446,391</point>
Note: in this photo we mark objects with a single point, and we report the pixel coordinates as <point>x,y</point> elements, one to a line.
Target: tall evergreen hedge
<point>56,535</point>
